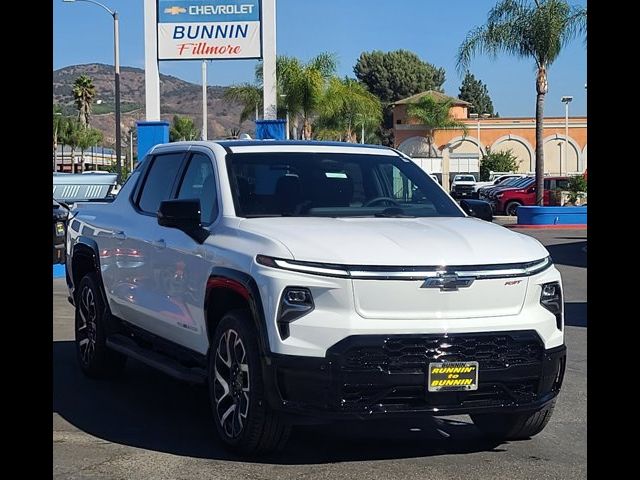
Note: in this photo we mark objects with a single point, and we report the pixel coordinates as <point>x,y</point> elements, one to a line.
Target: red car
<point>508,201</point>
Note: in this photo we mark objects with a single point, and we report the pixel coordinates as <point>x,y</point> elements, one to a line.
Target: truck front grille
<point>411,354</point>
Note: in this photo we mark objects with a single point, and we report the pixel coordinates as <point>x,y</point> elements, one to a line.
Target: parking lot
<point>146,425</point>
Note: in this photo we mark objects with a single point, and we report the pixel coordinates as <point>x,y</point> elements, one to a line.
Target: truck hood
<point>397,241</point>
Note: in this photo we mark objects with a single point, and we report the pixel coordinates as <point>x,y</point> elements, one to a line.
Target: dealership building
<point>455,152</point>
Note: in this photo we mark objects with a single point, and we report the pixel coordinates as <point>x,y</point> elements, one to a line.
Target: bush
<point>504,161</point>
<point>577,188</point>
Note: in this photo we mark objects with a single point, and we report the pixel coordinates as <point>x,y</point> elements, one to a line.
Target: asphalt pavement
<point>145,425</point>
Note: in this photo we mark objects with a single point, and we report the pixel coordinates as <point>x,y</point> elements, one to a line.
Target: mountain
<point>177,97</point>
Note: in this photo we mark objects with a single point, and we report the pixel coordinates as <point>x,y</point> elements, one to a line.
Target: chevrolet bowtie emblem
<point>448,281</point>
<point>175,10</point>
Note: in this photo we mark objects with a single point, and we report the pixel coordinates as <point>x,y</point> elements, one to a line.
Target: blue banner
<point>208,11</point>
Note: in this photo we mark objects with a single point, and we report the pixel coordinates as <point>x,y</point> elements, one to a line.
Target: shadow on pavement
<point>148,410</point>
<point>571,254</point>
<point>575,314</point>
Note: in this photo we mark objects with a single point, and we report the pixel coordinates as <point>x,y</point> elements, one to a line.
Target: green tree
<point>84,92</point>
<point>183,129</point>
<point>345,107</point>
<point>476,93</point>
<point>58,121</point>
<point>247,95</point>
<point>395,75</point>
<point>70,137</point>
<point>300,87</point>
<point>503,161</point>
<point>434,115</point>
<point>86,137</point>
<point>533,30</point>
<point>577,188</point>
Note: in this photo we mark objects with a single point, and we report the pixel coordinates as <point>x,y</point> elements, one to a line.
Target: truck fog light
<point>551,299</point>
<point>294,303</point>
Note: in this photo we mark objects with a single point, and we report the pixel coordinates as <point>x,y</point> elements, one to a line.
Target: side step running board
<point>171,367</point>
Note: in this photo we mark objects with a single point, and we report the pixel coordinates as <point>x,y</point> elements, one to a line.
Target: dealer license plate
<point>453,376</point>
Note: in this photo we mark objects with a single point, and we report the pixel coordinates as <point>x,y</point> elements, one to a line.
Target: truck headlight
<point>295,302</point>
<point>551,299</point>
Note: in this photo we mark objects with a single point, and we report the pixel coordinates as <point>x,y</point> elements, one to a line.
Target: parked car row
<point>512,193</point>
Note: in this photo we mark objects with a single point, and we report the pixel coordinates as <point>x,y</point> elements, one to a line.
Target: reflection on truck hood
<point>398,241</point>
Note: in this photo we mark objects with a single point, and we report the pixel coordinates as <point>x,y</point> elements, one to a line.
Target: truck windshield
<point>334,185</point>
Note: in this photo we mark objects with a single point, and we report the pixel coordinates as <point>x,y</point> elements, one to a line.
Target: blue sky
<point>433,29</point>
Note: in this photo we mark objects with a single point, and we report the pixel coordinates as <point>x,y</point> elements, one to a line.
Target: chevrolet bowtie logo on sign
<point>175,10</point>
<point>448,281</point>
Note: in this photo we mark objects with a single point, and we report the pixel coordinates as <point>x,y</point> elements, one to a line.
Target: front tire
<point>512,208</point>
<point>244,421</point>
<point>96,360</point>
<point>514,426</point>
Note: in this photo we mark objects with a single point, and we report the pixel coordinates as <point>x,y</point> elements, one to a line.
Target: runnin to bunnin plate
<point>315,280</point>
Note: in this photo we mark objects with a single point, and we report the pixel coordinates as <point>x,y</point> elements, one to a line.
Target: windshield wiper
<point>393,212</point>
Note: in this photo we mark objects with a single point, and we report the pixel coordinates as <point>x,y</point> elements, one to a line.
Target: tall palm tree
<point>535,31</point>
<point>84,92</point>
<point>345,105</point>
<point>434,115</point>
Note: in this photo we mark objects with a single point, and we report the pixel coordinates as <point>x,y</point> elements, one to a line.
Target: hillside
<point>177,97</point>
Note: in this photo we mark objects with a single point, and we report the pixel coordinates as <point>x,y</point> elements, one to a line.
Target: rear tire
<point>96,360</point>
<point>514,426</point>
<point>244,421</point>
<point>512,208</point>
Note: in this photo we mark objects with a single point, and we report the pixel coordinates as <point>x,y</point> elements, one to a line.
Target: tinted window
<point>199,182</point>
<point>562,184</point>
<point>334,185</point>
<point>157,187</point>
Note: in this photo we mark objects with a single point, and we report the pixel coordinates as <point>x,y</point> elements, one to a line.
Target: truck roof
<point>246,146</point>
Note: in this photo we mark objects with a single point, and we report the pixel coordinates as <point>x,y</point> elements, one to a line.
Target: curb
<point>578,226</point>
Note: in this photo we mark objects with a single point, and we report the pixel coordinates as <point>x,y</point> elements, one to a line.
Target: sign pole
<point>204,100</point>
<point>151,72</point>
<point>269,59</point>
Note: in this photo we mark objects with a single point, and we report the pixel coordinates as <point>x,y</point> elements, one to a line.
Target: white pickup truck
<point>312,279</point>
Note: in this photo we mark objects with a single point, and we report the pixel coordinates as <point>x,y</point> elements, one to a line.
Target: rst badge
<point>448,281</point>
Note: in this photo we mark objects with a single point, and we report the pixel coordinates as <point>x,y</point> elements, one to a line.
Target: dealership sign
<point>209,29</point>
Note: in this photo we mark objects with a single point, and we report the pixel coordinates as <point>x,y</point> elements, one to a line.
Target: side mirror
<point>531,189</point>
<point>184,215</point>
<point>478,209</point>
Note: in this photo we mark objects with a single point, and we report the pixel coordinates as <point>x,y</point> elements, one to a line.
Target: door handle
<point>119,236</point>
<point>159,243</point>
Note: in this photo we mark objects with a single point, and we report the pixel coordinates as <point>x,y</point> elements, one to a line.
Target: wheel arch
<point>84,258</point>
<point>228,289</point>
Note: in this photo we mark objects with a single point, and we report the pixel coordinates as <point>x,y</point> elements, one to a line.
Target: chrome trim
<point>362,272</point>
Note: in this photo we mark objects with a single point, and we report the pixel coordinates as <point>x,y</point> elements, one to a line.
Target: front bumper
<point>368,376</point>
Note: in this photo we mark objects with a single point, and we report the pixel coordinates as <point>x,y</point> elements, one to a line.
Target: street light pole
<point>566,100</point>
<point>116,59</point>
<point>204,100</point>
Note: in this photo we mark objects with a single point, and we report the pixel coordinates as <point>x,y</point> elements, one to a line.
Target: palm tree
<point>434,115</point>
<point>248,95</point>
<point>345,105</point>
<point>537,32</point>
<point>300,85</point>
<point>83,93</point>
<point>183,129</point>
<point>303,85</point>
